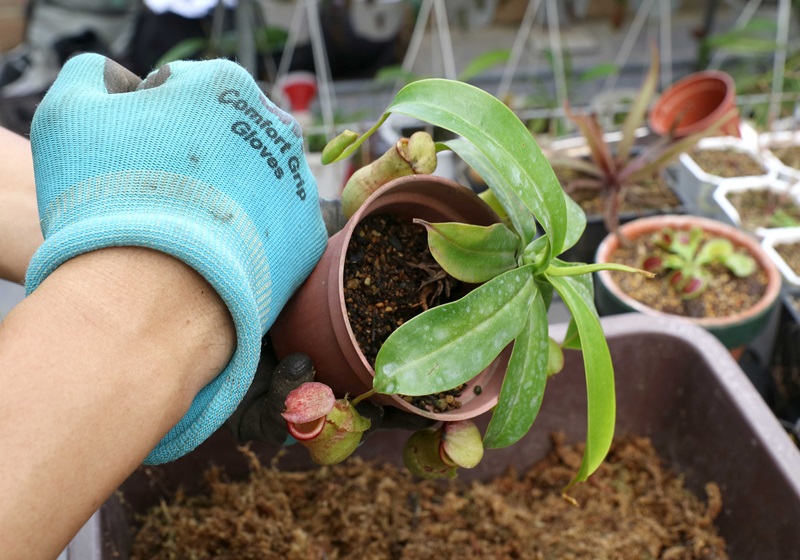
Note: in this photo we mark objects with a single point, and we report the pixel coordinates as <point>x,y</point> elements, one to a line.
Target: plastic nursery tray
<point>739,184</point>
<point>778,236</point>
<point>698,186</point>
<point>675,384</point>
<point>770,140</point>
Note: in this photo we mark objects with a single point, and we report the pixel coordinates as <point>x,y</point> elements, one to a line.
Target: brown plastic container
<point>675,384</point>
<point>315,320</point>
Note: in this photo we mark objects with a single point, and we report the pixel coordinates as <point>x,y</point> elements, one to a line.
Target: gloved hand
<point>196,162</point>
<point>258,416</point>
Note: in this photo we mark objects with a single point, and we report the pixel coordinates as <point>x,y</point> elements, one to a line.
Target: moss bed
<point>633,507</point>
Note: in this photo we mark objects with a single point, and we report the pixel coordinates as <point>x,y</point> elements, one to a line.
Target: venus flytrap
<point>685,257</point>
<point>517,270</point>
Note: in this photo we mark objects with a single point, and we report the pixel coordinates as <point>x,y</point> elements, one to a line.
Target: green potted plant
<point>708,273</point>
<point>623,181</point>
<point>514,271</point>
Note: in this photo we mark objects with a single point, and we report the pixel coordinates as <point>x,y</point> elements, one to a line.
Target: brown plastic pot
<point>733,331</point>
<point>315,320</point>
<point>694,103</point>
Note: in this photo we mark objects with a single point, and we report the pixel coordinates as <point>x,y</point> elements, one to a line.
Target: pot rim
<point>651,224</point>
<point>659,110</point>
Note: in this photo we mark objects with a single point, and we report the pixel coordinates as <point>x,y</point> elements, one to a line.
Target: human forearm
<point>19,221</point>
<point>97,365</point>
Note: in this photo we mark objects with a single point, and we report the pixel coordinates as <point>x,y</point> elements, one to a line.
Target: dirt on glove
<point>633,507</point>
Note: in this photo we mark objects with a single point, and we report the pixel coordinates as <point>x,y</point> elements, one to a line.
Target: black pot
<point>786,363</point>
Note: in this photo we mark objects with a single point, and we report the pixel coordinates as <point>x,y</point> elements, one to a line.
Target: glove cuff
<point>196,224</point>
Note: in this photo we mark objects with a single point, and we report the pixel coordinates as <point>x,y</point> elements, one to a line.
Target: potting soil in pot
<point>390,277</point>
<point>645,195</point>
<point>727,162</point>
<point>632,508</point>
<point>725,295</point>
<point>765,208</point>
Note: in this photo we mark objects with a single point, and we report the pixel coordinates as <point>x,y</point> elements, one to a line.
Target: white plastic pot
<point>739,184</point>
<point>782,236</point>
<point>698,186</point>
<point>770,140</point>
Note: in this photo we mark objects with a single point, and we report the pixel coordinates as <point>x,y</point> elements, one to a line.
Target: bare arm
<point>96,366</point>
<point>20,235</point>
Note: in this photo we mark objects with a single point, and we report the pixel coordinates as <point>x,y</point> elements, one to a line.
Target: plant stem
<point>354,146</point>
<point>363,396</point>
<point>589,268</point>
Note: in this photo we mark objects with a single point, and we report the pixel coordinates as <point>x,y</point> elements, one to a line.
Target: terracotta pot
<point>315,320</point>
<point>733,331</point>
<point>695,103</point>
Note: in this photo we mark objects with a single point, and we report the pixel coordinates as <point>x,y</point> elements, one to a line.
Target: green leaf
<point>572,340</point>
<point>483,62</point>
<point>188,48</point>
<point>580,269</point>
<point>546,289</point>
<point>638,109</point>
<point>686,249</point>
<point>576,222</point>
<point>394,73</point>
<point>470,253</point>
<point>336,146</point>
<point>714,250</point>
<point>743,45</point>
<point>519,214</point>
<point>498,133</point>
<point>740,265</point>
<point>601,407</point>
<point>599,71</point>
<point>587,167</point>
<point>450,344</point>
<point>536,254</point>
<point>489,198</point>
<point>583,282</point>
<point>523,386</point>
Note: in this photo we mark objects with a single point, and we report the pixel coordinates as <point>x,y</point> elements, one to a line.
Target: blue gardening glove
<point>196,162</point>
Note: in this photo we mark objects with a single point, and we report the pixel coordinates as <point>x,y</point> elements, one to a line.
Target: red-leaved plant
<point>611,170</point>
